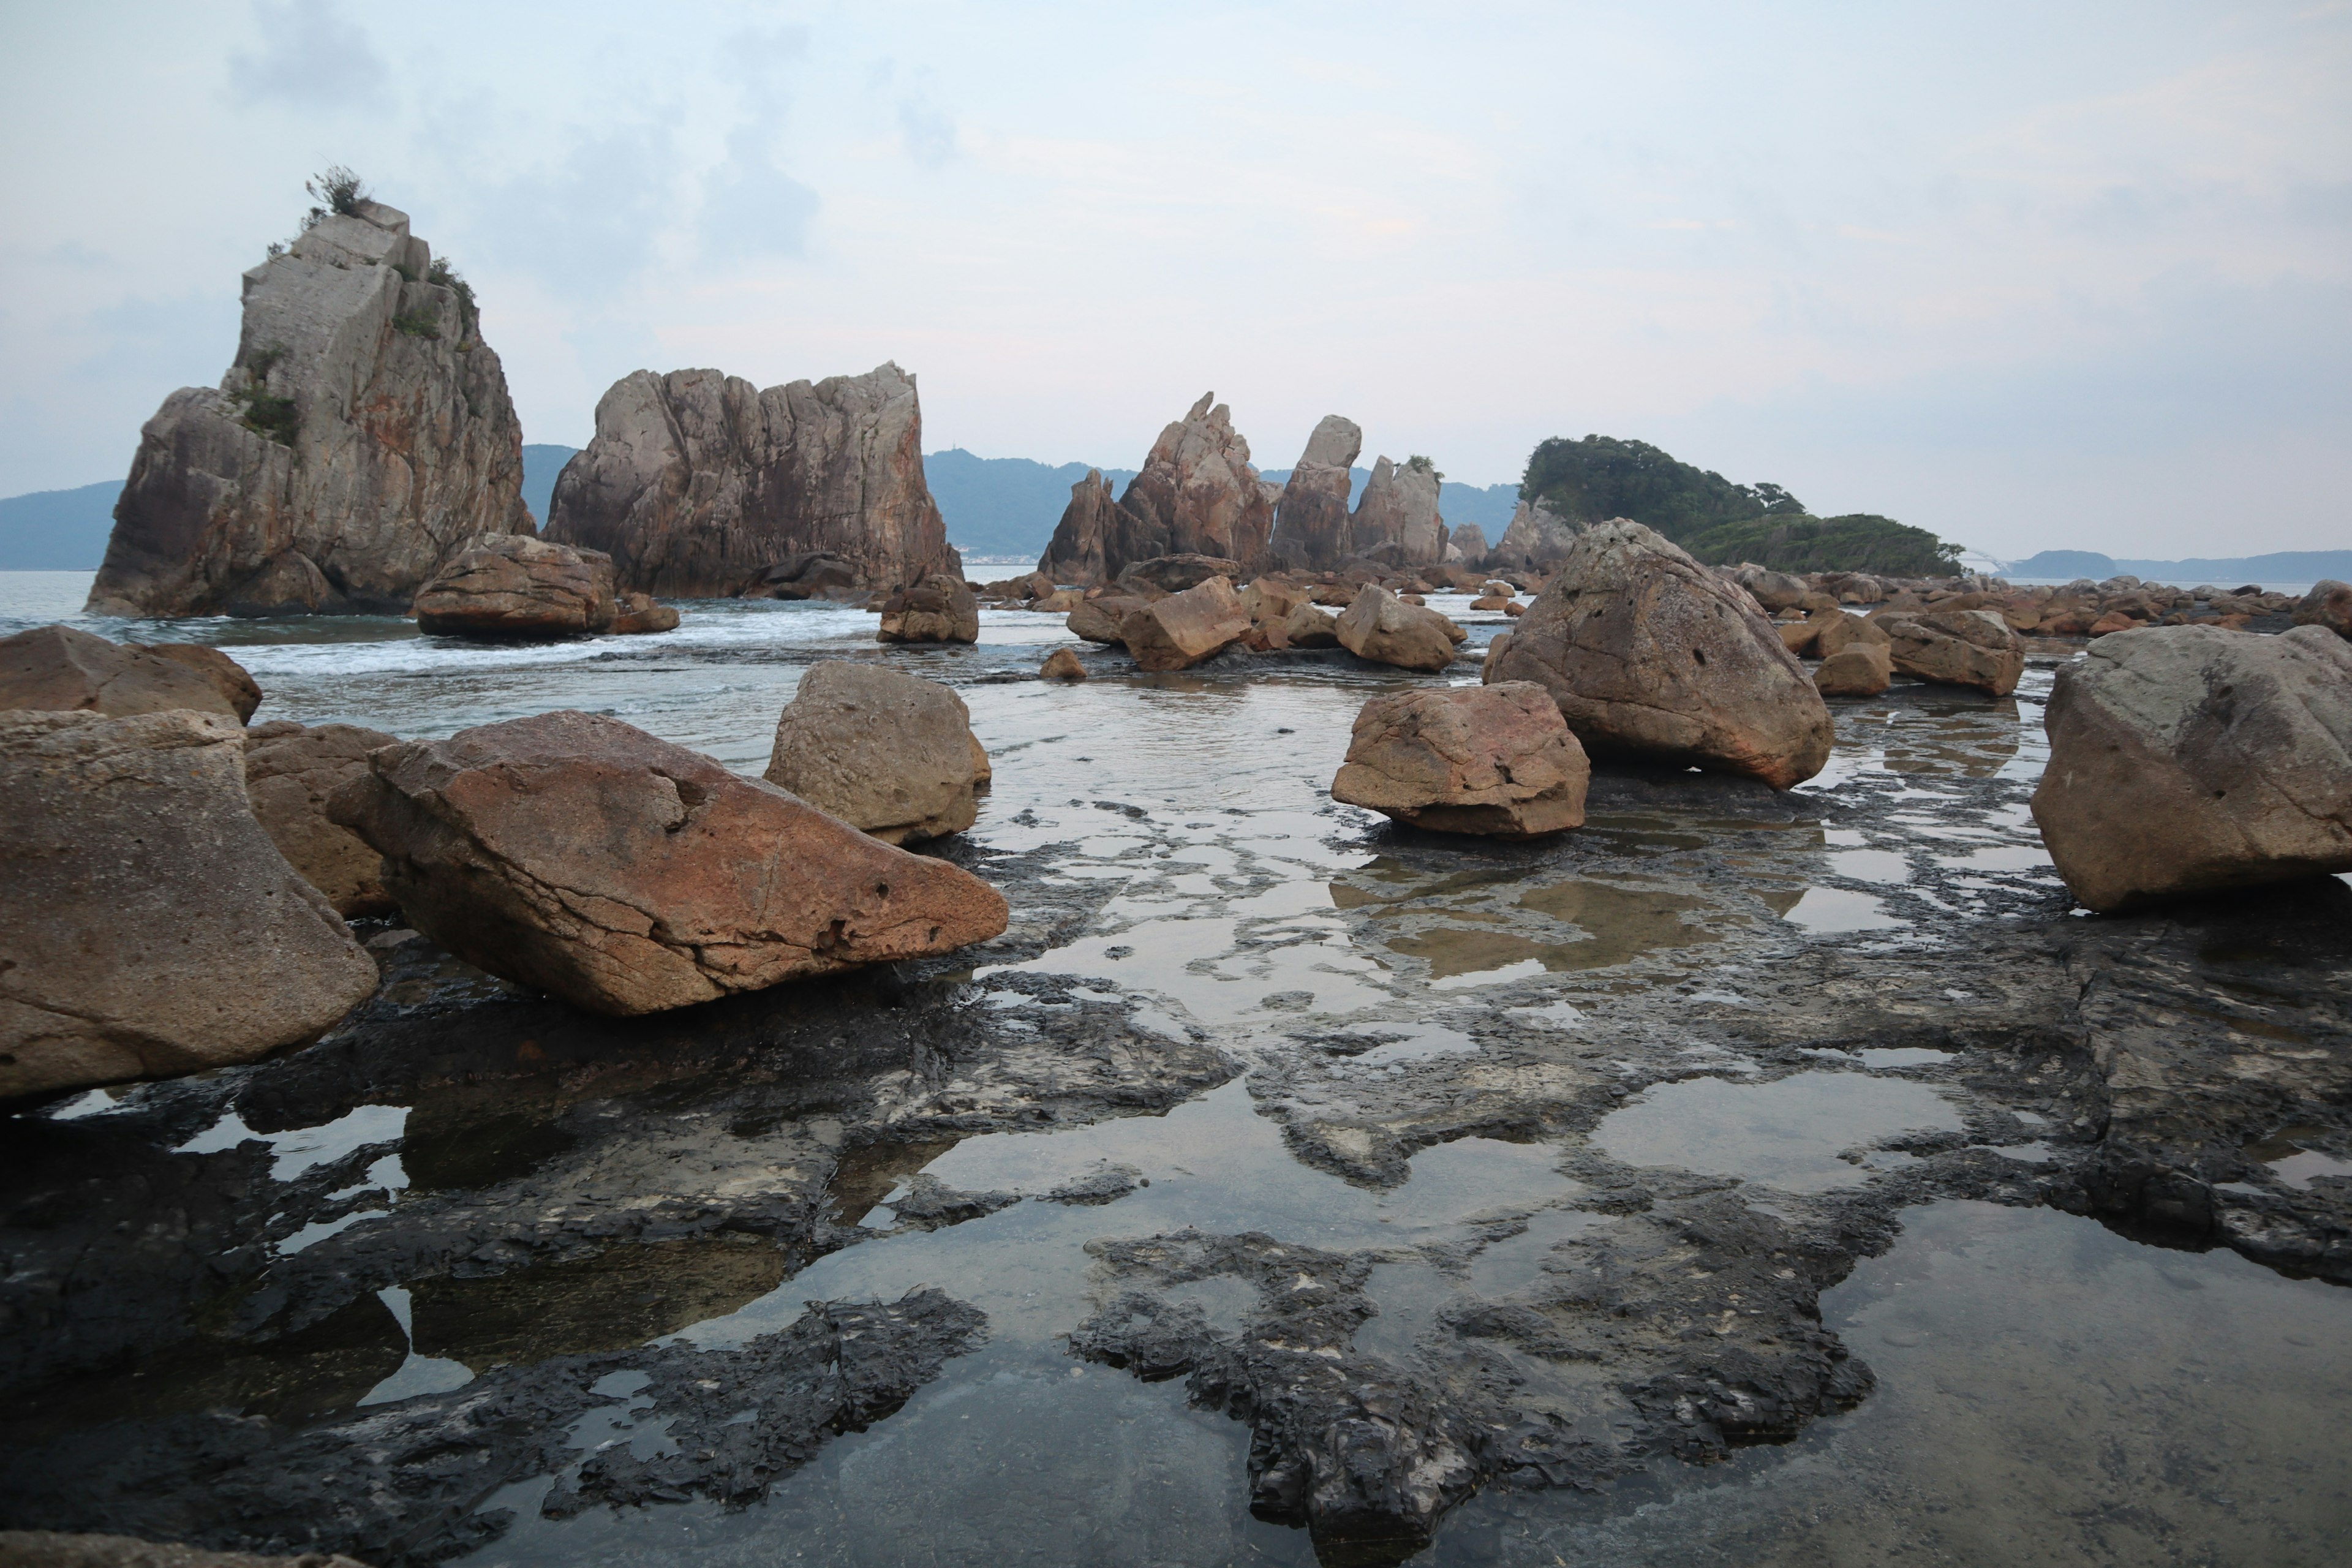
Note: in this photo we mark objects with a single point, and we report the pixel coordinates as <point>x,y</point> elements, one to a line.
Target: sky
<point>2031,275</point>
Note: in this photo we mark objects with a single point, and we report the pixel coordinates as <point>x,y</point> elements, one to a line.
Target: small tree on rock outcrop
<point>341,190</point>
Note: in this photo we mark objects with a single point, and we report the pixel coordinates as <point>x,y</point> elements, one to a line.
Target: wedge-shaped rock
<point>1383,629</point>
<point>886,752</point>
<point>513,585</point>
<point>2188,759</point>
<point>1182,629</point>
<point>940,608</point>
<point>1858,669</point>
<point>1653,657</point>
<point>68,672</point>
<point>149,926</point>
<point>585,857</point>
<point>1957,647</point>
<point>290,773</point>
<point>1496,760</point>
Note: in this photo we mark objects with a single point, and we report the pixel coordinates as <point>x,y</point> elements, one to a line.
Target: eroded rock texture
<point>585,857</point>
<point>362,435</point>
<point>517,588</point>
<point>1473,758</point>
<point>1398,523</point>
<point>1536,537</point>
<point>1651,656</point>
<point>697,483</point>
<point>1197,494</point>
<point>289,771</point>
<point>1312,530</point>
<point>148,924</point>
<point>2188,759</point>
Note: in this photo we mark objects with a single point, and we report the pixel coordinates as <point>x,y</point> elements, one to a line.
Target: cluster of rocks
<point>178,884</point>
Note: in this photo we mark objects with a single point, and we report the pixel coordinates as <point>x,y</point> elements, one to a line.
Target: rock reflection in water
<point>1788,1134</point>
<point>1621,922</point>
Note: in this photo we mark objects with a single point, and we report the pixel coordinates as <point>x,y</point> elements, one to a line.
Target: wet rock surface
<point>1501,1201</point>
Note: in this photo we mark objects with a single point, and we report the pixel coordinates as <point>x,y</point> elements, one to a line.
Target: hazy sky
<point>2031,275</point>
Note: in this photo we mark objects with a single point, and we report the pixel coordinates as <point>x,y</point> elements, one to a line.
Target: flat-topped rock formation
<point>1197,494</point>
<point>362,435</point>
<point>697,482</point>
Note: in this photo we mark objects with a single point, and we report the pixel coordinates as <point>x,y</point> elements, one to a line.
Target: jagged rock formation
<point>1197,494</point>
<point>1397,522</point>
<point>1536,537</point>
<point>697,482</point>
<point>1467,545</point>
<point>1312,531</point>
<point>362,435</point>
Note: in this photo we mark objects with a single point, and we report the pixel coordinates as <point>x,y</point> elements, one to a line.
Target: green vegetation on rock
<point>1857,542</point>
<point>1601,477</point>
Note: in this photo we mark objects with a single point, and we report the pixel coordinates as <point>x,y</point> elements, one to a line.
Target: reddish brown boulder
<point>1099,619</point>
<point>1494,760</point>
<point>289,771</point>
<point>585,857</point>
<point>1382,628</point>
<point>512,585</point>
<point>1956,648</point>
<point>150,926</point>
<point>1310,626</point>
<point>637,614</point>
<point>2328,605</point>
<point>1182,629</point>
<point>940,608</point>
<point>1858,669</point>
<point>1063,664</point>
<point>1651,656</point>
<point>65,671</point>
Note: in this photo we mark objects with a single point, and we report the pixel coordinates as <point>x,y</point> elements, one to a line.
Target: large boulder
<point>150,926</point>
<point>887,753</point>
<point>1174,574</point>
<point>1497,760</point>
<point>65,671</point>
<point>289,771</point>
<point>1398,520</point>
<point>1312,530</point>
<point>2328,605</point>
<point>362,436</point>
<point>581,856</point>
<point>1956,648</point>
<point>1182,629</point>
<point>940,608</point>
<point>1651,656</point>
<point>1099,619</point>
<point>513,585</point>
<point>1858,669</point>
<point>698,483</point>
<point>1310,626</point>
<point>1383,629</point>
<point>2188,759</point>
<point>1836,630</point>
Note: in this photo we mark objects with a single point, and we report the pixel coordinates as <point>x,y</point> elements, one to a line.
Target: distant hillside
<point>1003,506</point>
<point>58,531</point>
<point>540,466</point>
<point>2224,572</point>
<point>1858,542</point>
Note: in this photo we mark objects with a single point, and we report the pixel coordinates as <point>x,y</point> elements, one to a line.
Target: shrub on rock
<point>511,586</point>
<point>2188,759</point>
<point>887,752</point>
<point>585,857</point>
<point>1651,656</point>
<point>1495,760</point>
<point>150,925</point>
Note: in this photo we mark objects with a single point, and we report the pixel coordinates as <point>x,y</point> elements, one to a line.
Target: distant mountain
<point>540,466</point>
<point>2223,571</point>
<point>58,531</point>
<point>1003,506</point>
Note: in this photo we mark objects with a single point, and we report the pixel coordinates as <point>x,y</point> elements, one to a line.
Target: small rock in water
<point>1382,628</point>
<point>1063,664</point>
<point>884,750</point>
<point>1858,669</point>
<point>1495,760</point>
<point>940,608</point>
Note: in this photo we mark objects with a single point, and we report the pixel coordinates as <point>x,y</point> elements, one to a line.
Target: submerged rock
<point>636,615</point>
<point>1312,530</point>
<point>289,771</point>
<point>64,671</point>
<point>581,856</point>
<point>1651,656</point>
<point>516,586</point>
<point>1497,760</point>
<point>697,484</point>
<point>1182,629</point>
<point>150,925</point>
<point>890,753</point>
<point>2188,759</point>
<point>1957,647</point>
<point>1384,630</point>
<point>362,437</point>
<point>940,608</point>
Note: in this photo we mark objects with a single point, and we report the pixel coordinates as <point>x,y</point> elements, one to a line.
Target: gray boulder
<point>697,483</point>
<point>890,754</point>
<point>362,435</point>
<point>1466,544</point>
<point>151,926</point>
<point>1398,520</point>
<point>1653,657</point>
<point>2328,605</point>
<point>289,771</point>
<point>2185,760</point>
<point>1536,537</point>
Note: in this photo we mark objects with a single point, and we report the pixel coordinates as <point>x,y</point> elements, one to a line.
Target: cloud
<point>752,207</point>
<point>929,135</point>
<point>589,226</point>
<point>311,56</point>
